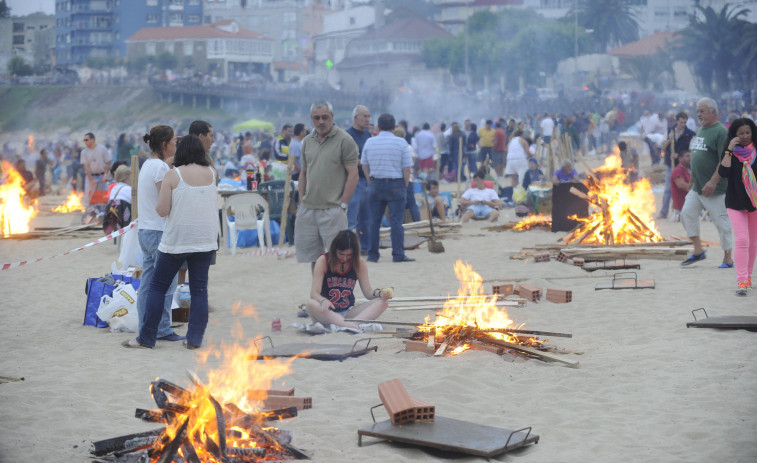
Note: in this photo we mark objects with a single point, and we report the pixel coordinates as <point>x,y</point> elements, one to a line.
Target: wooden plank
<point>532,351</point>
<point>441,350</point>
<point>287,193</point>
<point>461,306</point>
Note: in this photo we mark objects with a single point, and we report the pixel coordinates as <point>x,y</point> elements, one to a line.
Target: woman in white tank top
<point>188,197</point>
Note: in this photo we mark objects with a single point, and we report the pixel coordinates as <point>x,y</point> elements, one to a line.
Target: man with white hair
<point>708,188</point>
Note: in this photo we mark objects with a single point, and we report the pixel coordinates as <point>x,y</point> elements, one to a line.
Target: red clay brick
<point>280,401</point>
<point>397,402</point>
<point>504,290</point>
<point>531,293</point>
<point>561,257</point>
<point>424,412</point>
<point>261,394</point>
<point>579,261</point>
<point>559,295</point>
<point>541,257</point>
<point>418,346</point>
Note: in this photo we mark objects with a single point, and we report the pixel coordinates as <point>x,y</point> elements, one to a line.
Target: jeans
<point>149,241</point>
<point>357,213</point>
<point>166,267</point>
<point>472,155</point>
<point>667,195</point>
<point>391,192</point>
<point>411,204</point>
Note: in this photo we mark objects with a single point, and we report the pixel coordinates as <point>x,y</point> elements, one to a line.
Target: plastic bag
<point>131,252</point>
<point>519,195</point>
<point>120,310</point>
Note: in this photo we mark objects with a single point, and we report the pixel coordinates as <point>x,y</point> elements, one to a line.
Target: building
<point>99,28</point>
<point>339,28</point>
<point>389,55</point>
<point>31,37</point>
<point>222,48</point>
<point>454,13</point>
<point>290,23</point>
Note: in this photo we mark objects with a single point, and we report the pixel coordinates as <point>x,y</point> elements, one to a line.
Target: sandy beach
<point>647,389</point>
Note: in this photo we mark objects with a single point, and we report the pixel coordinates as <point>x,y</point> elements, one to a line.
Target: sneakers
<point>694,258</point>
<point>725,265</point>
<point>743,286</point>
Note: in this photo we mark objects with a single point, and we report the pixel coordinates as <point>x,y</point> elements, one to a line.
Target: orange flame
<point>533,221</point>
<point>228,383</point>
<point>472,309</point>
<point>14,214</point>
<point>629,213</point>
<point>30,142</point>
<point>73,204</point>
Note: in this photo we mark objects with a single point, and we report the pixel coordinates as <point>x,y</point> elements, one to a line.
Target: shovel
<point>433,245</point>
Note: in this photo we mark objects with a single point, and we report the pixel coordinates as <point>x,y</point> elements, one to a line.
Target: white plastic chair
<point>245,209</point>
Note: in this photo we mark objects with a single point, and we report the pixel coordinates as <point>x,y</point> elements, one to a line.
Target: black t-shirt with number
<point>339,288</point>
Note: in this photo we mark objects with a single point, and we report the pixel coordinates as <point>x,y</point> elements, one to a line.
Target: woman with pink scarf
<point>738,166</point>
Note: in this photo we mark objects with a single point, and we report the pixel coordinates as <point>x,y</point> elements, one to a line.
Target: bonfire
<point>472,318</point>
<point>73,204</point>
<point>15,210</point>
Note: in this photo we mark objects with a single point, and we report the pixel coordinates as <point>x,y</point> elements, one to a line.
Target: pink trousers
<point>745,246</point>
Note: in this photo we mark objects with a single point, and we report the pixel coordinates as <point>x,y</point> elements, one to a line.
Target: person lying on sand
<point>332,298</point>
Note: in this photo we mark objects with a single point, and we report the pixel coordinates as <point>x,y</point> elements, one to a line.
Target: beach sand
<point>647,388</point>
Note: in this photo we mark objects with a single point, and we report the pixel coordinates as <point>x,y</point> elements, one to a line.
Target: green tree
<point>100,62</point>
<point>648,70</point>
<point>5,10</point>
<point>17,66</point>
<point>710,44</point>
<point>612,22</point>
<point>166,60</point>
<point>139,64</point>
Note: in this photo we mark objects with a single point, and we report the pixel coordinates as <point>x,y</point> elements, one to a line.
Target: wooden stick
<point>459,306</point>
<point>287,193</point>
<point>492,330</point>
<point>441,350</point>
<point>531,351</point>
<point>134,187</point>
<point>433,298</point>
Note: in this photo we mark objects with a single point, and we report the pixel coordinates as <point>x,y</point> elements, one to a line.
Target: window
<point>150,48</point>
<point>169,47</point>
<point>680,13</point>
<point>18,40</point>
<point>177,2</point>
<point>193,18</point>
<point>29,28</point>
<point>193,2</point>
<point>152,19</point>
<point>290,17</point>
<point>152,2</point>
<point>98,5</point>
<point>188,48</point>
<point>18,28</point>
<point>352,20</point>
<point>176,19</point>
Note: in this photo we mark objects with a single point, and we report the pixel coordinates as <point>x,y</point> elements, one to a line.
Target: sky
<point>24,7</point>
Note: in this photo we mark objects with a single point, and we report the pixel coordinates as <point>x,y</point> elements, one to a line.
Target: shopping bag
<point>99,193</point>
<point>120,309</point>
<point>95,289</point>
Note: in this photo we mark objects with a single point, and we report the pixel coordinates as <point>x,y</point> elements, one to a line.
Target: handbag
<point>99,194</point>
<point>95,289</point>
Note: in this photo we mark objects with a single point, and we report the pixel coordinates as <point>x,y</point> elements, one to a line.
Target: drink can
<point>276,324</point>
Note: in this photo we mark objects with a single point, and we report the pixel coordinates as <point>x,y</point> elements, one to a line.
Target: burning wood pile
<point>622,210</point>
<point>16,209</point>
<point>474,321</point>
<point>73,204</point>
<point>222,421</point>
<point>534,221</point>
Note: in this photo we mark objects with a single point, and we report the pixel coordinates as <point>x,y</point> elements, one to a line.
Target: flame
<point>14,214</point>
<point>228,383</point>
<point>628,212</point>
<point>472,310</point>
<point>73,204</point>
<point>30,142</point>
<point>533,221</point>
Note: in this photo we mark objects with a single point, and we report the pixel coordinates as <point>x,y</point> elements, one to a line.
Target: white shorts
<point>715,205</point>
<point>515,166</point>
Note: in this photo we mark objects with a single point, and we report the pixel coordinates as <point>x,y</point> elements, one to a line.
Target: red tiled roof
<point>649,45</point>
<point>414,27</point>
<point>204,31</point>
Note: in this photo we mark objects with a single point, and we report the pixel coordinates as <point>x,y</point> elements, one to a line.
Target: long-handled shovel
<point>433,245</point>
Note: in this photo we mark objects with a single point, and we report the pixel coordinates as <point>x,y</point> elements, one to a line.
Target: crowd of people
<point>351,182</point>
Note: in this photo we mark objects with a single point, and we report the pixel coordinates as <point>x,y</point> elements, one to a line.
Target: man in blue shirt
<point>387,163</point>
<point>357,209</point>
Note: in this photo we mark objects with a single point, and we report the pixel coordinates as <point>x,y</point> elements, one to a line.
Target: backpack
<point>117,214</point>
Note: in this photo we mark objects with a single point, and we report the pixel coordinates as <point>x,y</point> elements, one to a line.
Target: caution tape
<point>81,248</point>
<point>278,252</point>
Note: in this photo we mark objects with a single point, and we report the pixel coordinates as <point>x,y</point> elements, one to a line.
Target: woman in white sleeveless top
<point>517,157</point>
<point>188,197</point>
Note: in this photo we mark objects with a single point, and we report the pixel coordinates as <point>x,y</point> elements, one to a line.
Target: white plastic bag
<point>120,311</point>
<point>131,253</point>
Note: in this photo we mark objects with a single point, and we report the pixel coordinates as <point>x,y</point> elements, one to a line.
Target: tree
<point>17,66</point>
<point>166,60</point>
<point>5,10</point>
<point>611,22</point>
<point>710,44</point>
<point>648,69</point>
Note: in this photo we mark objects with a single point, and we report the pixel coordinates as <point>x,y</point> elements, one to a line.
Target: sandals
<point>694,258</point>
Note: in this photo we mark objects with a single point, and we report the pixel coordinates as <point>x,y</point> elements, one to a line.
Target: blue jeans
<point>149,241</point>
<point>411,204</point>
<point>667,195</point>
<point>166,267</point>
<point>357,213</point>
<point>391,192</point>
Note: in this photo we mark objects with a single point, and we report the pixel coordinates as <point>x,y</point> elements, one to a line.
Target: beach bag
<point>120,310</point>
<point>99,193</point>
<point>95,289</point>
<point>117,214</point>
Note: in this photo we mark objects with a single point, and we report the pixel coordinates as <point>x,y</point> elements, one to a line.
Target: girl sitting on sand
<point>332,298</point>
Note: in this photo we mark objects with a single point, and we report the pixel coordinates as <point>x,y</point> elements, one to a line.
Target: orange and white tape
<point>81,248</point>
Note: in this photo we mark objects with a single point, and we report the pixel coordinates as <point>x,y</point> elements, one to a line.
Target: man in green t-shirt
<point>708,188</point>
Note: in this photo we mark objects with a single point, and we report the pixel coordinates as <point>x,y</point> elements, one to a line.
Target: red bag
<point>99,193</point>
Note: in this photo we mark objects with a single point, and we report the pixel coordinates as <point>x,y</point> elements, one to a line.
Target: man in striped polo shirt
<point>387,164</point>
